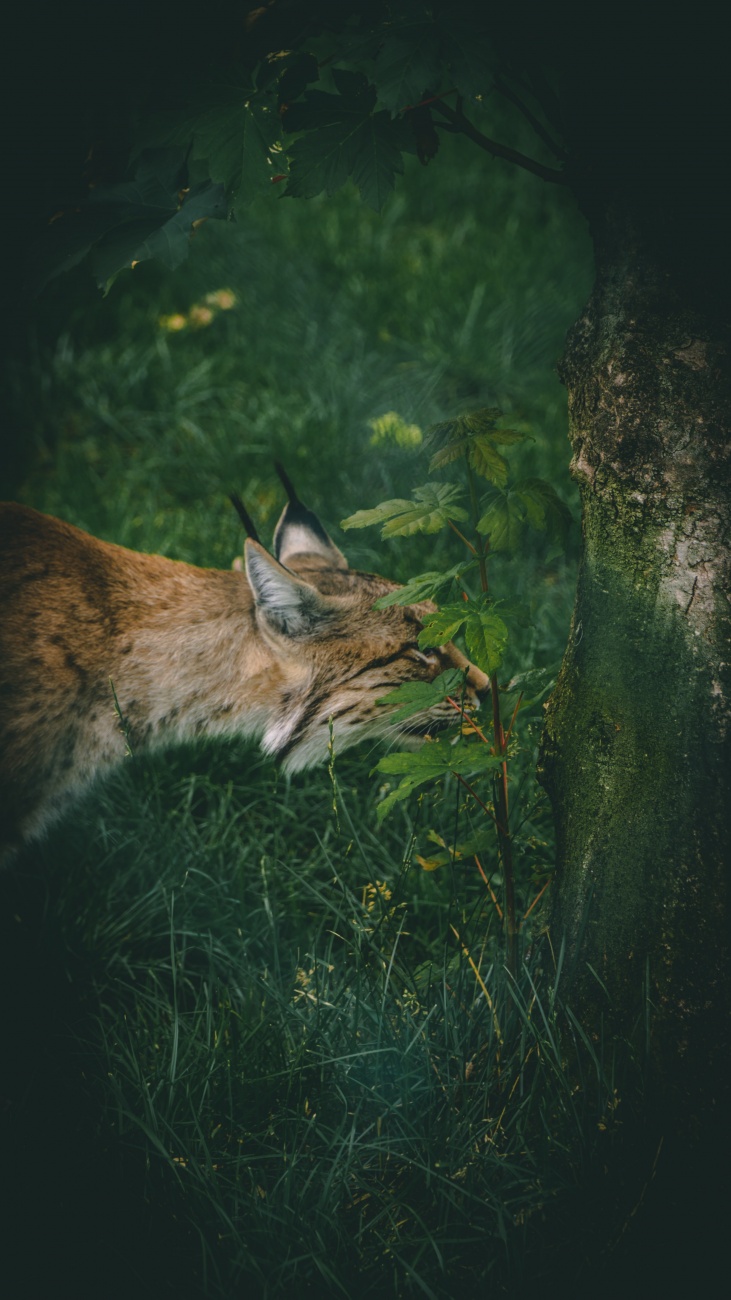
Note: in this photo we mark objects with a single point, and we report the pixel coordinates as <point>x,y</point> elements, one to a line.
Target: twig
<point>462,124</point>
<point>539,895</point>
<point>491,891</point>
<point>478,800</point>
<point>461,537</point>
<point>468,719</point>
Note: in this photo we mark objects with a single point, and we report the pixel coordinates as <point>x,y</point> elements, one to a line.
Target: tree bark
<point>636,751</point>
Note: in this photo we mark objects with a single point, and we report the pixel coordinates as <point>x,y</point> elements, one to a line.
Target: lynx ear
<point>288,606</point>
<point>299,531</point>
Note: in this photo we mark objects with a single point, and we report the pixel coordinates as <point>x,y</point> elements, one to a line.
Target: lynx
<point>104,649</point>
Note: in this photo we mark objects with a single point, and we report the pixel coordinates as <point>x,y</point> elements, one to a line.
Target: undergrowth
<point>320,1093</point>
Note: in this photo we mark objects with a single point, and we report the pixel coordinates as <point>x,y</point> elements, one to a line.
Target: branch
<point>460,123</point>
<point>538,127</point>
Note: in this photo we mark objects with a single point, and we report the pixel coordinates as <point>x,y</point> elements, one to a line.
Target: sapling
<point>494,519</point>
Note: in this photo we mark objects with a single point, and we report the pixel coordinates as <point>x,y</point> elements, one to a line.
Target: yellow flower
<point>200,316</point>
<point>172,323</point>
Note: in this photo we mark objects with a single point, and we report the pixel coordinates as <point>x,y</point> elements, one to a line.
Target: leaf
<point>443,625</point>
<point>297,75</point>
<point>319,109</point>
<point>408,65</point>
<point>469,53</point>
<point>378,160</point>
<point>433,505</point>
<point>535,683</point>
<point>154,188</point>
<point>344,139</point>
<point>474,436</point>
<point>464,427</point>
<point>436,758</point>
<point>515,611</point>
<point>230,128</point>
<point>486,638</point>
<point>487,461</point>
<point>503,522</point>
<point>423,587</point>
<point>167,238</point>
<point>151,215</point>
<point>416,697</point>
<point>235,140</point>
<point>431,864</point>
<point>544,508</point>
<point>466,848</point>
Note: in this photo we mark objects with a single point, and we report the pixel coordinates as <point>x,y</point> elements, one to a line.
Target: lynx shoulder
<point>104,649</point>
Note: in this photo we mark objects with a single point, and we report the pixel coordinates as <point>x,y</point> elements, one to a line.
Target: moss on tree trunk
<point>636,747</point>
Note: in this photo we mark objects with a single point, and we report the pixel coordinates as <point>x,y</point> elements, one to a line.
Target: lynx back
<point>102,648</point>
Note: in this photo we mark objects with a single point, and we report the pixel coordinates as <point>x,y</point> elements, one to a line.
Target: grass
<point>310,1102</point>
<point>257,1049</point>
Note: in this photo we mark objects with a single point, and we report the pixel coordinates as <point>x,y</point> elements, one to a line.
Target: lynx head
<point>339,655</point>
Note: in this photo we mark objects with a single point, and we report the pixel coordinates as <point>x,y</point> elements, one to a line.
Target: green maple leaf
<point>436,758</point>
<point>535,684</point>
<point>343,140</point>
<point>151,215</point>
<point>378,160</point>
<point>236,141</point>
<point>486,638</point>
<point>484,457</point>
<point>408,64</point>
<point>469,53</point>
<point>230,128</point>
<point>319,109</point>
<point>503,522</point>
<point>433,505</point>
<point>165,234</point>
<point>423,587</point>
<point>441,626</point>
<point>475,437</point>
<point>544,508</point>
<point>416,697</point>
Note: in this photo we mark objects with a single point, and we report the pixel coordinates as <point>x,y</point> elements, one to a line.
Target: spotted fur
<point>273,651</point>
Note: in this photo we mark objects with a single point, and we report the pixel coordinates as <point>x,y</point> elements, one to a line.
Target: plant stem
<point>481,547</point>
<point>502,822</point>
<point>462,537</point>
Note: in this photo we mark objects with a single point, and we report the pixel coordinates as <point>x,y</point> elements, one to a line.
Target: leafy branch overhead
<point>306,107</point>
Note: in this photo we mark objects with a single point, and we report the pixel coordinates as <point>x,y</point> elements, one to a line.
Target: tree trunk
<point>636,747</point>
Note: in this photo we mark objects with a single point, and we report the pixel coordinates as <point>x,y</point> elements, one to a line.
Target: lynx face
<point>90,631</point>
<point>354,655</point>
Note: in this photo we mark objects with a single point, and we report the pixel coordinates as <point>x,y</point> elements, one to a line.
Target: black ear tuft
<point>286,483</point>
<point>299,531</point>
<point>244,516</point>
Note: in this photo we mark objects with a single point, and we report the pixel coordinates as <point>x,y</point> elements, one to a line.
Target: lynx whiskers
<point>92,634</point>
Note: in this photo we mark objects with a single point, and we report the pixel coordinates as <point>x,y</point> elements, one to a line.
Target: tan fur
<point>273,652</point>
